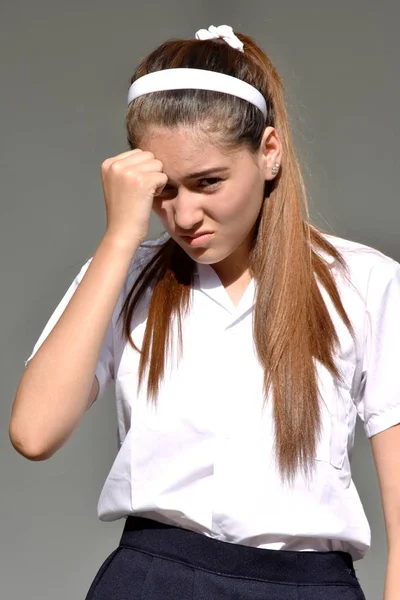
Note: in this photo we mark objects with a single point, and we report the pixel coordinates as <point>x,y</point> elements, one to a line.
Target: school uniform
<point>206,514</point>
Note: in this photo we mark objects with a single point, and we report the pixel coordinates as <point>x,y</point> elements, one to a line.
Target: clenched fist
<point>130,182</point>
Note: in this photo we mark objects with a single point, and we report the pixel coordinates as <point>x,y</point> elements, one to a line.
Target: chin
<point>207,256</point>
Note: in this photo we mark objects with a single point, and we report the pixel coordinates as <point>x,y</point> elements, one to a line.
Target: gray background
<point>65,71</point>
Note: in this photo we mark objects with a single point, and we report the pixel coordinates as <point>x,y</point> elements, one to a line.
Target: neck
<point>234,268</point>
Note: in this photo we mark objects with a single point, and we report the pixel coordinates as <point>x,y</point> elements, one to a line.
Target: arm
<point>386,452</point>
<point>58,384</point>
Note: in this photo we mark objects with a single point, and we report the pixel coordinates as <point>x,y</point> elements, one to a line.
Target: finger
<point>139,157</point>
<point>150,165</point>
<point>123,155</point>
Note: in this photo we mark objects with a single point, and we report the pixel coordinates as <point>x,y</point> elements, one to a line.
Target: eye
<point>212,180</point>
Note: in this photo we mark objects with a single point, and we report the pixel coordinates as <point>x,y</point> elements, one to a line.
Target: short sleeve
<point>378,401</point>
<point>105,365</point>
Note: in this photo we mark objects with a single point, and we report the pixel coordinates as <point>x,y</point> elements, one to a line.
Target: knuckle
<point>115,167</point>
<point>134,176</point>
<point>105,164</point>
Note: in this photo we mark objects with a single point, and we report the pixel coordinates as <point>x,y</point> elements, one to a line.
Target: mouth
<point>198,239</point>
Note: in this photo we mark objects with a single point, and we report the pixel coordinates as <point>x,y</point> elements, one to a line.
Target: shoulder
<point>145,252</point>
<point>362,260</point>
<point>141,258</point>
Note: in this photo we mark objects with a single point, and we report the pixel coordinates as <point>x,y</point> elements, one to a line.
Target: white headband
<point>201,79</point>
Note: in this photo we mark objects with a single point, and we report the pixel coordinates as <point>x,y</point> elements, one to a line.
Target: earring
<point>275,169</point>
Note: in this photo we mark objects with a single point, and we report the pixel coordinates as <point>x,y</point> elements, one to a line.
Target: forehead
<point>184,148</point>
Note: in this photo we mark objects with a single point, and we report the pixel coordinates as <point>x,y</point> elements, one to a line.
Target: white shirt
<point>204,459</point>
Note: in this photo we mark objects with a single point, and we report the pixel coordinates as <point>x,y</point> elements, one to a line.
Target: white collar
<point>210,284</point>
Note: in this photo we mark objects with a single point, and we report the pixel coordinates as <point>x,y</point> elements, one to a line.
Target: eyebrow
<point>207,172</point>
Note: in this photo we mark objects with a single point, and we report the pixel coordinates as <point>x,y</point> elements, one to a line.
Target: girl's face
<point>212,200</point>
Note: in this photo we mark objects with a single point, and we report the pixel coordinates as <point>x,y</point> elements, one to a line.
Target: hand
<point>130,182</point>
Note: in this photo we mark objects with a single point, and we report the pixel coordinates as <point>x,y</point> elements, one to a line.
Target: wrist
<point>129,246</point>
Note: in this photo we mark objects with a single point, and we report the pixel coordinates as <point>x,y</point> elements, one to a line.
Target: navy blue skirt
<point>160,562</point>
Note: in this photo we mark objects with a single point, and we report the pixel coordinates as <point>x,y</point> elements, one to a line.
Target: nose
<point>187,211</point>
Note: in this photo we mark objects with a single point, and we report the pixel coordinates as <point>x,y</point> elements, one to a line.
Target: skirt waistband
<point>237,560</point>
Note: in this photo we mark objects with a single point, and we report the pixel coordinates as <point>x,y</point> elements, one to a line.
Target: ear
<point>270,152</point>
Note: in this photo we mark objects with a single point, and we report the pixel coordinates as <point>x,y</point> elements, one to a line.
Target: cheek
<point>243,200</point>
<point>238,211</point>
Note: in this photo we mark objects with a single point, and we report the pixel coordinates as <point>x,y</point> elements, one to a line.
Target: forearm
<point>392,579</point>
<point>53,392</point>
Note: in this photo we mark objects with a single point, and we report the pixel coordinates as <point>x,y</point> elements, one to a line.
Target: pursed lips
<point>196,235</point>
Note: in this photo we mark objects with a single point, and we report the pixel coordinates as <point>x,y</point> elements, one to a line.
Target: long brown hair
<point>292,325</point>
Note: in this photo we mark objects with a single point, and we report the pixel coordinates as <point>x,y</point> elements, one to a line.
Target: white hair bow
<point>223,31</point>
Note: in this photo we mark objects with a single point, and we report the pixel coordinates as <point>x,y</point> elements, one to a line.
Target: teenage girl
<point>243,343</point>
